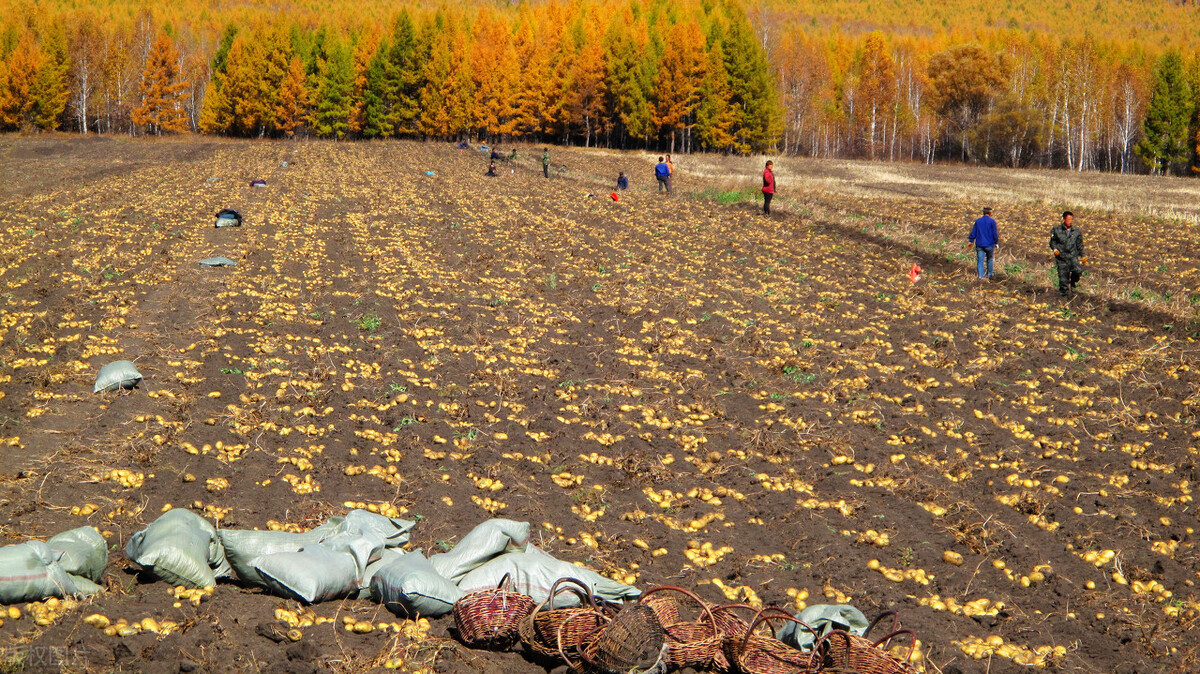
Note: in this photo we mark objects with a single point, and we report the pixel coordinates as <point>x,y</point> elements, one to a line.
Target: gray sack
<point>117,374</point>
<point>410,587</point>
<point>485,542</point>
<point>181,548</point>
<point>533,571</point>
<point>32,571</point>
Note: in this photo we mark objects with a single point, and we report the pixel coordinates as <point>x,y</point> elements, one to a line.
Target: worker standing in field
<point>662,173</point>
<point>984,237</point>
<point>768,188</point>
<point>546,162</point>
<point>1067,243</point>
<point>670,174</point>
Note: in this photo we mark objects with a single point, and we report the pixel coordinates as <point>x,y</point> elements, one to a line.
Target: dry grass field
<point>672,390</point>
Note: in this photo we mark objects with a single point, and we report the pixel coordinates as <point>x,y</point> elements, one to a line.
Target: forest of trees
<point>832,79</point>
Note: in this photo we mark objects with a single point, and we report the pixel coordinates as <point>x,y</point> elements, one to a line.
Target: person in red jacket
<point>768,187</point>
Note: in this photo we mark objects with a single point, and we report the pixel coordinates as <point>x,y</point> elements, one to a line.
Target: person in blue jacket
<point>622,181</point>
<point>984,237</point>
<point>662,173</point>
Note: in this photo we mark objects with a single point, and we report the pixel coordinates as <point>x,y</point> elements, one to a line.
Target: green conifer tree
<point>715,117</point>
<point>630,80</point>
<point>379,96</point>
<point>332,101</point>
<point>752,85</point>
<point>50,87</point>
<point>1165,129</point>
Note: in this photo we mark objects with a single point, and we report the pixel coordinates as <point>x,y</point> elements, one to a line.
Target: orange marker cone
<point>914,274</point>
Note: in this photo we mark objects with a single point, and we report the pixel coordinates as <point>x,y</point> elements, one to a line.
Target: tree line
<point>1004,97</point>
<point>681,76</point>
<point>621,74</point>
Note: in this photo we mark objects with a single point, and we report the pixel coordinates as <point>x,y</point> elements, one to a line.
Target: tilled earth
<point>670,390</point>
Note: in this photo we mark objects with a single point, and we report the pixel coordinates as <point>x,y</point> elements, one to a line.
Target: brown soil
<point>781,378</point>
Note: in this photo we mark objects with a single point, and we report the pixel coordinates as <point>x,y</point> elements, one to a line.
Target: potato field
<point>672,390</point>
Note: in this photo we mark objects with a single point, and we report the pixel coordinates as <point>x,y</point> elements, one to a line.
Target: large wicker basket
<point>492,618</point>
<point>691,642</point>
<point>840,652</point>
<point>731,626</point>
<point>757,653</point>
<point>540,630</point>
<point>631,640</point>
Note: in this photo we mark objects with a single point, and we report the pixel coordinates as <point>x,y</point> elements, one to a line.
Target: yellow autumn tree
<point>523,117</point>
<point>293,99</point>
<point>876,86</point>
<point>446,96</point>
<point>19,83</point>
<point>586,93</point>
<point>680,74</point>
<point>161,90</point>
<point>494,73</point>
<point>363,54</point>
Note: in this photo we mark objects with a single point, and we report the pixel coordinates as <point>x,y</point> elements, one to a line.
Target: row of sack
<point>354,556</point>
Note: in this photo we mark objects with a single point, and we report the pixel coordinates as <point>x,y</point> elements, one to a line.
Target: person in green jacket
<point>1066,242</point>
<point>546,162</point>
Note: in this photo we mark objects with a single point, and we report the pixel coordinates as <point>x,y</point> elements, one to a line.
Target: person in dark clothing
<point>1067,243</point>
<point>984,237</point>
<point>662,173</point>
<point>491,172</point>
<point>495,154</point>
<point>622,181</point>
<point>768,188</point>
<point>546,162</point>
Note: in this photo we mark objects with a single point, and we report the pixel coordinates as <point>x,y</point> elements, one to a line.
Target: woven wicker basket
<point>632,640</point>
<point>540,630</point>
<point>731,626</point>
<point>692,642</point>
<point>492,618</point>
<point>756,653</point>
<point>840,652</point>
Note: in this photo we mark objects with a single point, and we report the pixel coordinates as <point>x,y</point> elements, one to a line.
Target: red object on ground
<point>914,274</point>
<point>615,197</point>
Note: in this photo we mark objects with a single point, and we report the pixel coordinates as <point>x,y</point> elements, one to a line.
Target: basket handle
<point>582,652</point>
<point>815,661</point>
<point>724,608</point>
<point>505,580</point>
<point>580,590</point>
<point>729,608</point>
<point>886,640</point>
<point>879,618</point>
<point>703,604</point>
<point>606,606</point>
<point>772,612</point>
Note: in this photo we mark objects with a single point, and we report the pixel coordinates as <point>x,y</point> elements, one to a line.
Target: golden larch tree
<point>293,99</point>
<point>19,83</point>
<point>586,93</point>
<point>161,90</point>
<point>677,86</point>
<point>363,54</point>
